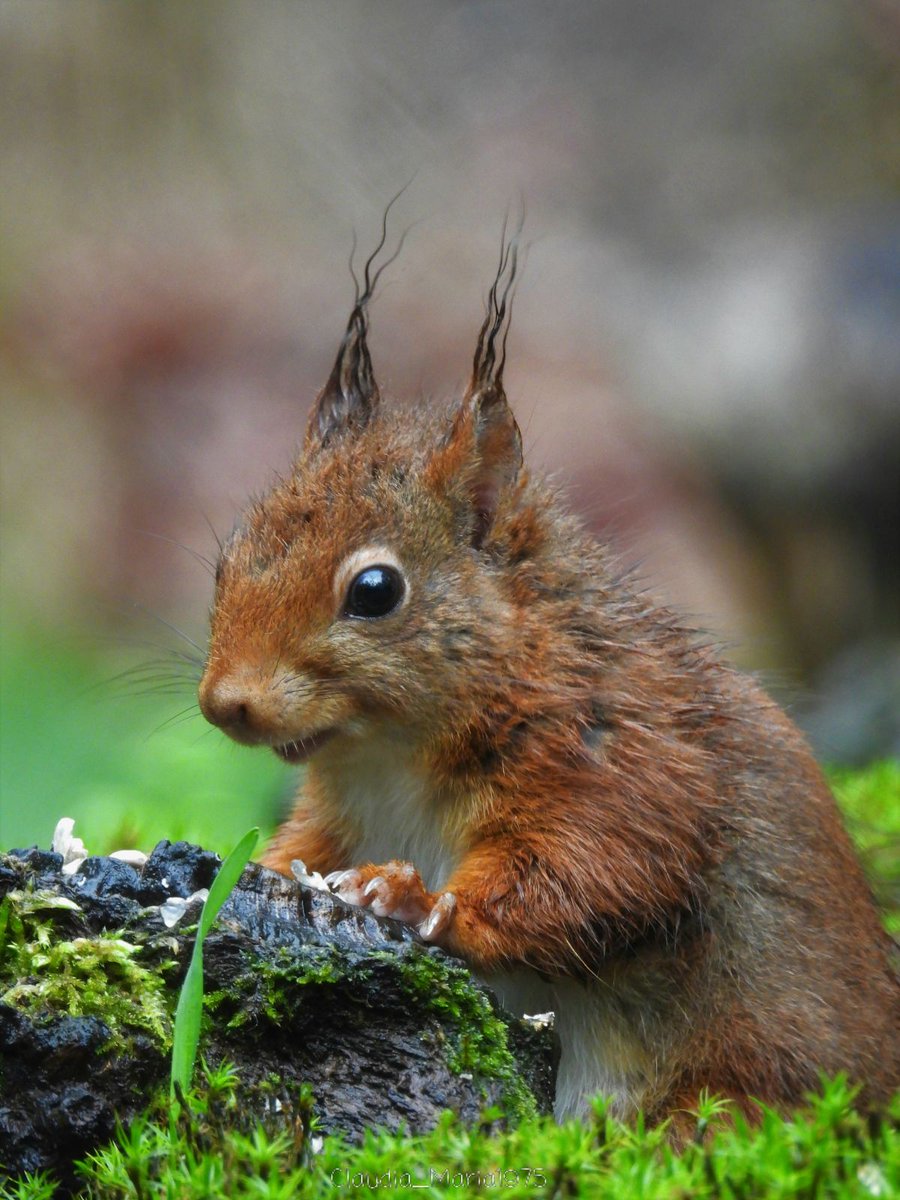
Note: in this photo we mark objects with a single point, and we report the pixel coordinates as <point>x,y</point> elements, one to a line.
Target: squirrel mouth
<point>301,749</point>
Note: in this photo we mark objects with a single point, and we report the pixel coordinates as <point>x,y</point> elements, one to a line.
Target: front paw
<point>395,889</point>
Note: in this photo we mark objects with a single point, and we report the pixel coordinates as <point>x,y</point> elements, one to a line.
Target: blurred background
<point>705,348</point>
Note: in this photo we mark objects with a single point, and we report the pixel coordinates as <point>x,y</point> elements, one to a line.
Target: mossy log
<point>299,987</point>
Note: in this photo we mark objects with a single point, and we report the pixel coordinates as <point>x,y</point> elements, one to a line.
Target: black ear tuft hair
<point>351,395</point>
<point>484,445</point>
<point>487,368</point>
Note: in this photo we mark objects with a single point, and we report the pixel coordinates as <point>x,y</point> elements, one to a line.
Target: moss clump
<point>213,1144</point>
<point>216,1149</point>
<point>44,974</point>
<point>870,800</point>
<point>273,990</point>
<point>273,987</point>
<point>481,1045</point>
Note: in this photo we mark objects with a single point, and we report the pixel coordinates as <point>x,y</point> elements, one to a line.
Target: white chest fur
<point>387,799</point>
<point>600,1051</point>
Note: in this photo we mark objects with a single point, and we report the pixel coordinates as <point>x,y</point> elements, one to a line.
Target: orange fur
<point>618,817</point>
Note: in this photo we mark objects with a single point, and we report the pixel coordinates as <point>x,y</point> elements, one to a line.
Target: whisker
<point>186,714</point>
<point>118,640</point>
<point>168,624</point>
<point>177,664</point>
<point>212,530</point>
<point>107,689</point>
<point>162,690</point>
<point>195,554</point>
<point>206,733</point>
<point>124,610</point>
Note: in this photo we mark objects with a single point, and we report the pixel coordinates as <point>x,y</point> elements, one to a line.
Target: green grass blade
<point>186,1035</point>
<point>228,875</point>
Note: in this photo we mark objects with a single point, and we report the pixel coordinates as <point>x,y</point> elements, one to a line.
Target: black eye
<point>375,592</point>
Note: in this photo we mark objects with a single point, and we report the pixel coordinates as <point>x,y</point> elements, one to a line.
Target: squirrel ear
<point>484,450</point>
<point>484,446</point>
<point>351,394</point>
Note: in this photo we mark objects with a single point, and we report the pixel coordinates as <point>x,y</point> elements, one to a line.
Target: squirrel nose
<point>230,706</point>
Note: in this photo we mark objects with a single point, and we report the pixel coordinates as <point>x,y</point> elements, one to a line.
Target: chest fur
<point>601,1049</point>
<point>386,800</point>
<point>391,808</point>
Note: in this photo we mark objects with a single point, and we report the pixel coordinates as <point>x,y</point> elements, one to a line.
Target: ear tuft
<point>351,394</point>
<point>498,441</point>
<point>487,367</point>
<point>484,445</point>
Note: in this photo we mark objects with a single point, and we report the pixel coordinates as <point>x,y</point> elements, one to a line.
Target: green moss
<point>43,973</point>
<point>215,1149</point>
<point>828,1151</point>
<point>477,1042</point>
<point>273,987</point>
<point>870,800</point>
<point>212,1146</point>
<point>480,1043</point>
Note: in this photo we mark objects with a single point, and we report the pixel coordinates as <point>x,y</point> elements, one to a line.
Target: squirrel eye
<point>374,592</point>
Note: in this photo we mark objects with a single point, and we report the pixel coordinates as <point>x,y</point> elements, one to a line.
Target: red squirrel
<point>514,750</point>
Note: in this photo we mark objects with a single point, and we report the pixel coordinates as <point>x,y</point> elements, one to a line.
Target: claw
<point>337,879</point>
<point>347,887</point>
<point>439,917</point>
<point>378,889</point>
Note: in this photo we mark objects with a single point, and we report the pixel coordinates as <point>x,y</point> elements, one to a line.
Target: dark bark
<point>299,988</point>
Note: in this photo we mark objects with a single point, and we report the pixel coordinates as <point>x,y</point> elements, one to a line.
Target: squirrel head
<point>362,588</point>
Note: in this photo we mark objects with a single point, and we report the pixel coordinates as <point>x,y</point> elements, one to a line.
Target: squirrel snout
<point>233,707</point>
